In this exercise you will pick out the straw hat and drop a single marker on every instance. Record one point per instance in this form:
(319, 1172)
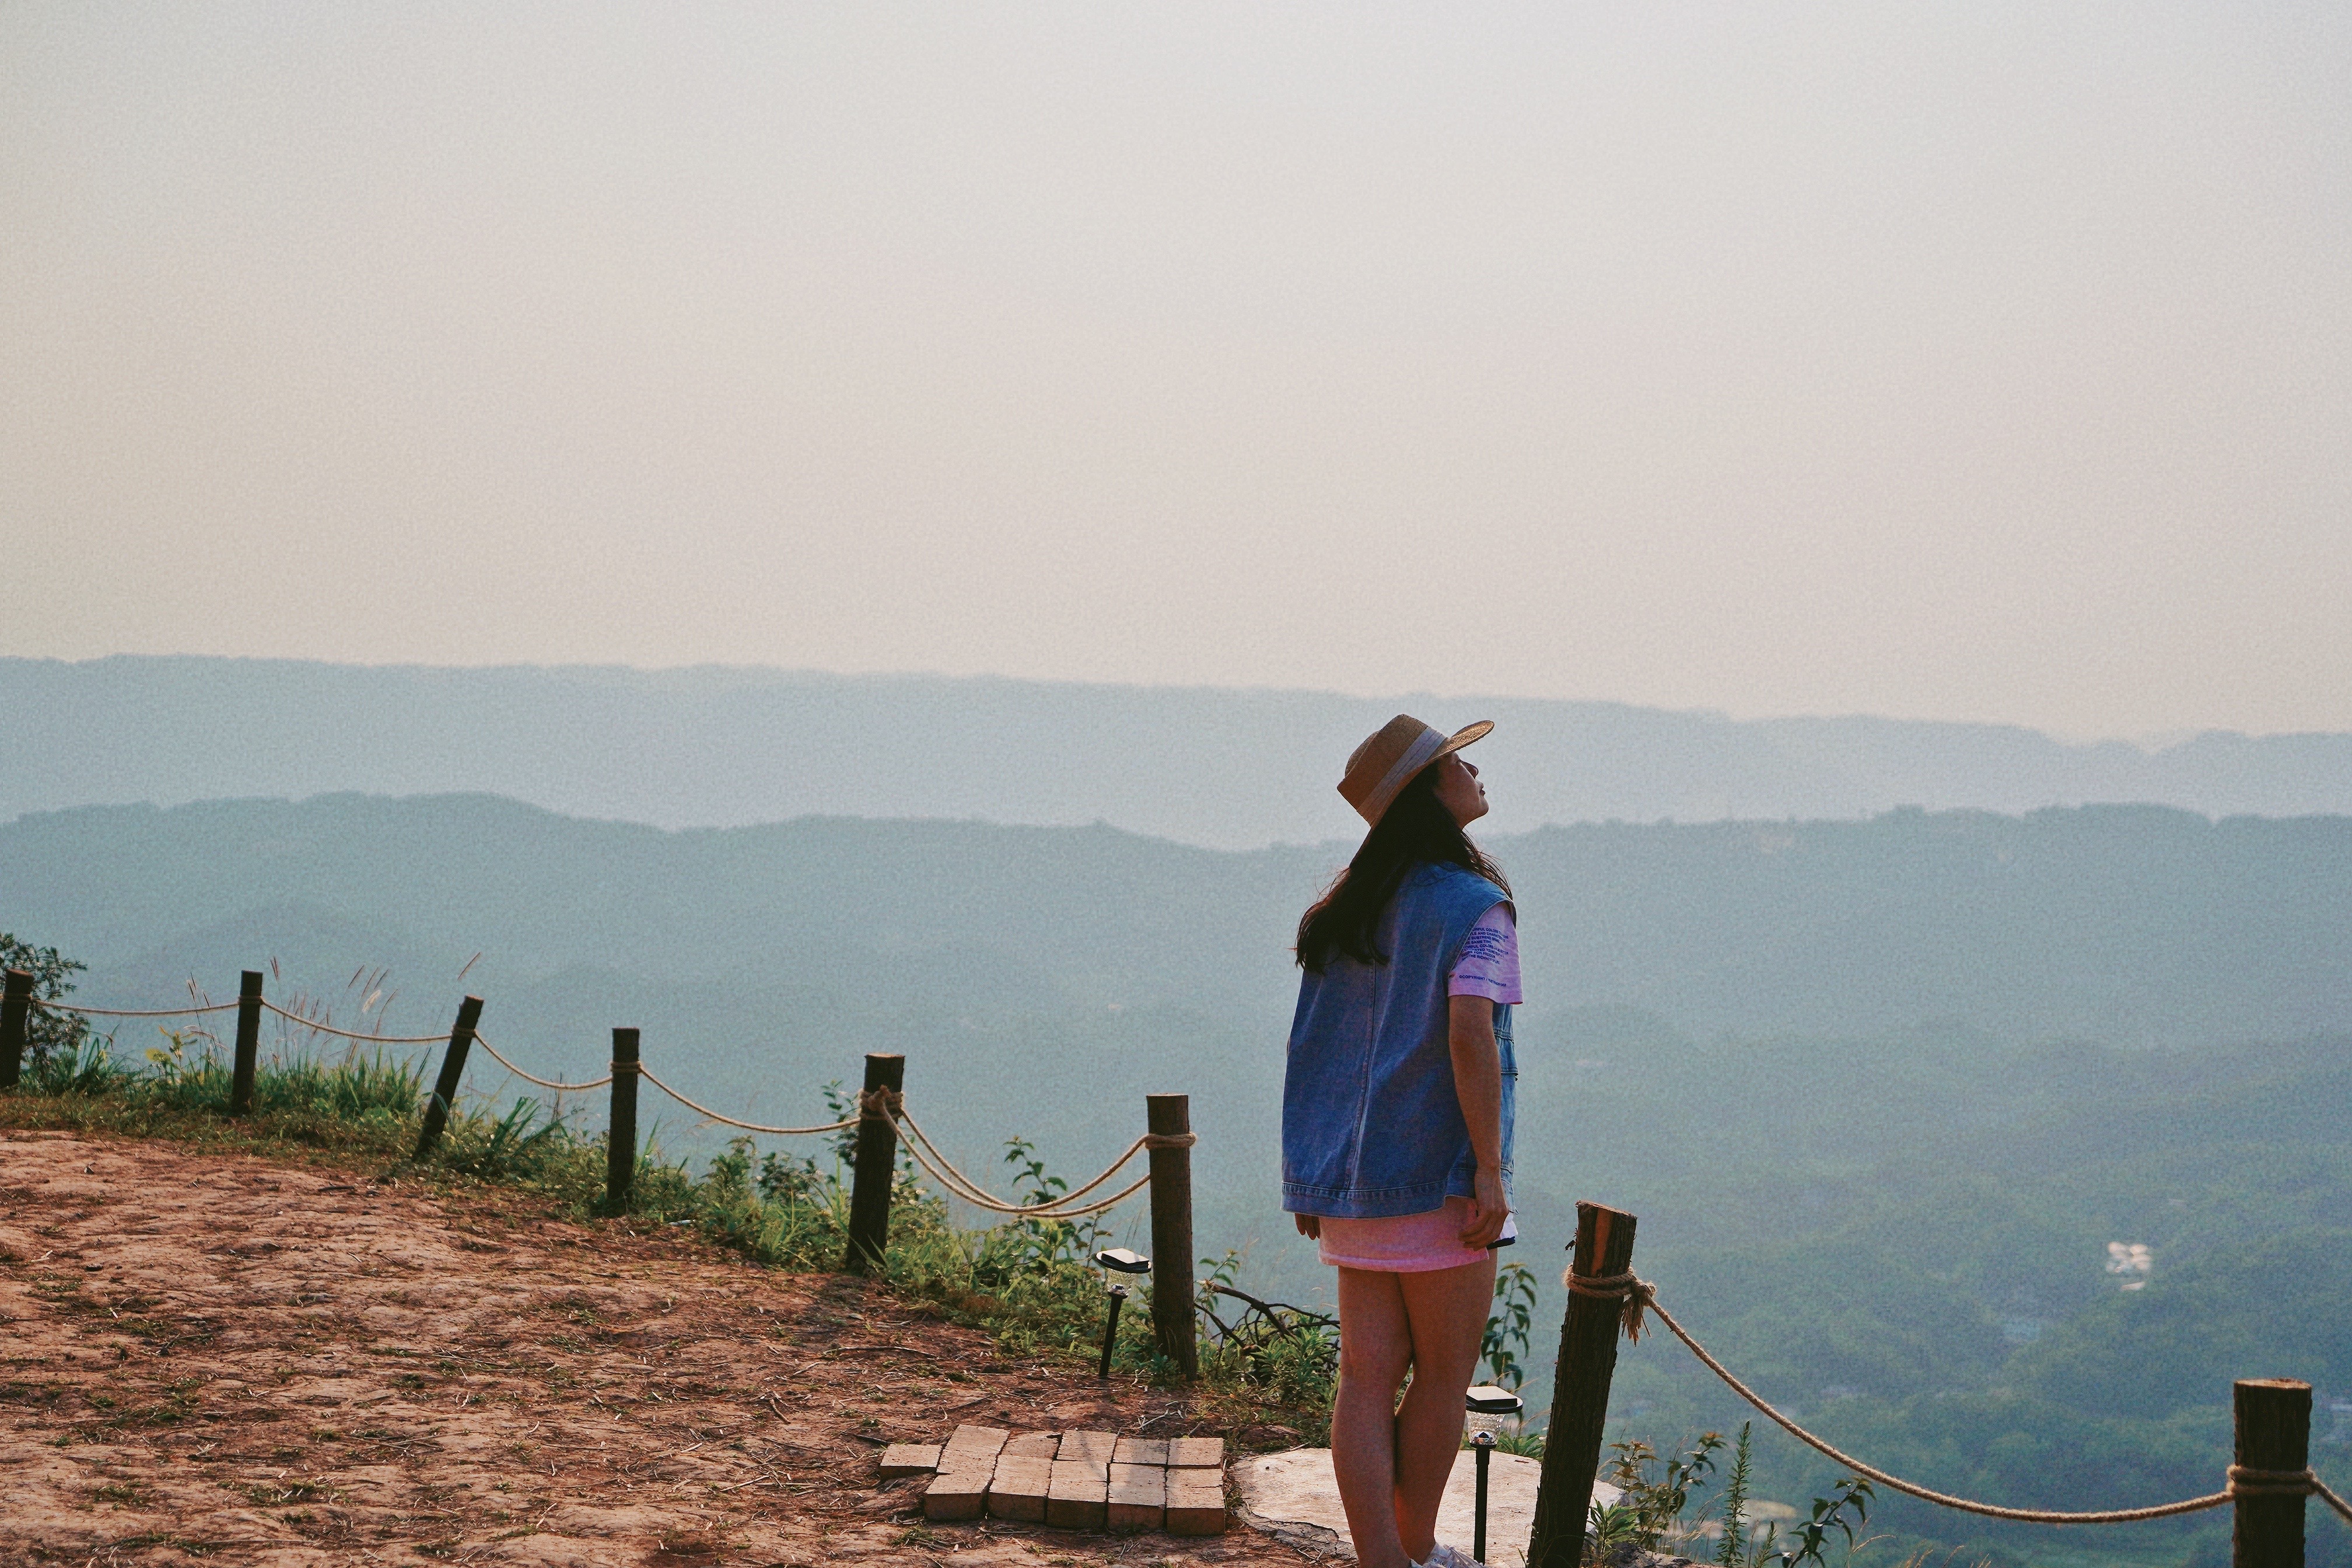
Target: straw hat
(1387, 760)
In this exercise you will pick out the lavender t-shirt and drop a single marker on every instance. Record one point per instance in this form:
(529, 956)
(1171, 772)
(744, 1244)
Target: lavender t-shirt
(1489, 963)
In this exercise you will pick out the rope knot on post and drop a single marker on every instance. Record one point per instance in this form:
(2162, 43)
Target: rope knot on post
(881, 1104)
(1170, 1140)
(1638, 1295)
(2245, 1480)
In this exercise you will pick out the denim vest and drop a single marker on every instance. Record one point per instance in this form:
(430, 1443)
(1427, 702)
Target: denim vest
(1370, 1124)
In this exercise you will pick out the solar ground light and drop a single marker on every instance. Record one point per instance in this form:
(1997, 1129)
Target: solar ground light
(1487, 1400)
(1119, 1261)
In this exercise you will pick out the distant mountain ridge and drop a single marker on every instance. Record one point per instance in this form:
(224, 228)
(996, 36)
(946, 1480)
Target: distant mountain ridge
(1220, 768)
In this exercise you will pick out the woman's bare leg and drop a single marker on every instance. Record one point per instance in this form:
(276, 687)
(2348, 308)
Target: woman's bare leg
(1445, 1310)
(1375, 1347)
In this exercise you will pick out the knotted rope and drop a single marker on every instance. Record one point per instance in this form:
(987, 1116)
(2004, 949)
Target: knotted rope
(1640, 1296)
(1635, 1293)
(2245, 1482)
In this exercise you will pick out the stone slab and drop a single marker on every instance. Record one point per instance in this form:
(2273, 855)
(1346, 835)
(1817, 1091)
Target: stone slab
(1078, 1497)
(1140, 1451)
(909, 1459)
(1191, 1453)
(972, 1446)
(1138, 1497)
(1018, 1488)
(1034, 1445)
(1294, 1497)
(1196, 1502)
(956, 1494)
(1095, 1449)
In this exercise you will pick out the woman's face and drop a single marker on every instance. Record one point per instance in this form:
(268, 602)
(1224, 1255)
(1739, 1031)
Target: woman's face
(1458, 789)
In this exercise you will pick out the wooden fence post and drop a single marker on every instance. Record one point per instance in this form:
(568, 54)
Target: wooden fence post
(248, 1043)
(15, 1003)
(453, 1069)
(1580, 1394)
(875, 1169)
(2273, 1417)
(621, 1138)
(1172, 1310)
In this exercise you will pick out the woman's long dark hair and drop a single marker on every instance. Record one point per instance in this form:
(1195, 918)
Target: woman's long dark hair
(1415, 830)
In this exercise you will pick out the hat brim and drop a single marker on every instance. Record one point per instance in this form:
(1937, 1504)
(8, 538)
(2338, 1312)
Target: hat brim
(1463, 737)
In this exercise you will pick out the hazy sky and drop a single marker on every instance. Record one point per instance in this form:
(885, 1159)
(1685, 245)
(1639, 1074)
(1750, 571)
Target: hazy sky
(1988, 360)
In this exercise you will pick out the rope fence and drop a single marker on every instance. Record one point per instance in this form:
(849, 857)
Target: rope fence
(883, 1104)
(886, 1106)
(1637, 1297)
(880, 1121)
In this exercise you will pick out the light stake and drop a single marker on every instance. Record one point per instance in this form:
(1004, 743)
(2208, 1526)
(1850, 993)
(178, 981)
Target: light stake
(1120, 1260)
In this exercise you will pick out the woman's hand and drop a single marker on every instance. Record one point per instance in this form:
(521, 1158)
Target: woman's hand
(1309, 1225)
(1488, 1210)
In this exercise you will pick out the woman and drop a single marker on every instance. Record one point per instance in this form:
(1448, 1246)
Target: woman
(1396, 1124)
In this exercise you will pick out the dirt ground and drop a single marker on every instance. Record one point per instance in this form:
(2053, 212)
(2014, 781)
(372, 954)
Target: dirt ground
(222, 1359)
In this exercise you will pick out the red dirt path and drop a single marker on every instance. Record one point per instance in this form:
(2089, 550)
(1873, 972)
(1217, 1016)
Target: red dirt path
(215, 1358)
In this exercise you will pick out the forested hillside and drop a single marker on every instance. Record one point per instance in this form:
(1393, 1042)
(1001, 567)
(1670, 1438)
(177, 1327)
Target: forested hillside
(2133, 925)
(1909, 1241)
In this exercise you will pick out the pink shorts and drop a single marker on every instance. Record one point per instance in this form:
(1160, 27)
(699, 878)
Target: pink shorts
(1403, 1243)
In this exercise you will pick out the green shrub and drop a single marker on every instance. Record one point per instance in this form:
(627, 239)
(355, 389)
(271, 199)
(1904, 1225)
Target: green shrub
(47, 1030)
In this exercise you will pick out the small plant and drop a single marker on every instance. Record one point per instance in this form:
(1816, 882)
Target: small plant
(505, 1147)
(1054, 1239)
(784, 1179)
(1611, 1532)
(1510, 1331)
(842, 1105)
(1729, 1550)
(1850, 1494)
(169, 1063)
(1651, 1507)
(1509, 1337)
(84, 1067)
(1520, 1441)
